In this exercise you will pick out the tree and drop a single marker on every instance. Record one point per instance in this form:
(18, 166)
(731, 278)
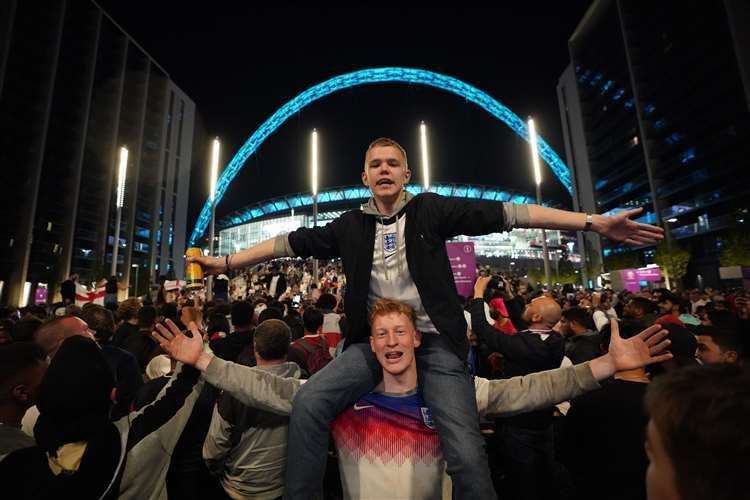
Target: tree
(736, 251)
(625, 260)
(675, 263)
(567, 273)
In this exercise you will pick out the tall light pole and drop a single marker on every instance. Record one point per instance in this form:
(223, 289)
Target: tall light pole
(538, 182)
(212, 196)
(314, 179)
(135, 286)
(121, 175)
(425, 157)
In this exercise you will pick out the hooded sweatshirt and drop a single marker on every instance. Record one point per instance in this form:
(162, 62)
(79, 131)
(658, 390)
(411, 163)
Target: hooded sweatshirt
(246, 447)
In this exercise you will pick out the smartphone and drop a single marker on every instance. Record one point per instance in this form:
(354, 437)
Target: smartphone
(297, 299)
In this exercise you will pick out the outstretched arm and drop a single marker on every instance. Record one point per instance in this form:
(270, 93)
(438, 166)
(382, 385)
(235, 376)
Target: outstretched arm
(263, 251)
(544, 389)
(255, 388)
(619, 227)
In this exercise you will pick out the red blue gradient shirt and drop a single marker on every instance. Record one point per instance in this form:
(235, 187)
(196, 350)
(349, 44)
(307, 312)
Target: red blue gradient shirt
(389, 448)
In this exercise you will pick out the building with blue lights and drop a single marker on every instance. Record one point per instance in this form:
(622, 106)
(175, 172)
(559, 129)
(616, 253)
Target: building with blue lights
(263, 220)
(655, 108)
(74, 87)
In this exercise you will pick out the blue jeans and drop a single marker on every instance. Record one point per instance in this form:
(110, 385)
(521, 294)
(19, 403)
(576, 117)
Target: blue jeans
(448, 391)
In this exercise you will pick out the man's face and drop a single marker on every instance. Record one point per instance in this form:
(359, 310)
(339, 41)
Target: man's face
(695, 296)
(660, 479)
(709, 352)
(79, 327)
(385, 172)
(666, 306)
(565, 327)
(170, 296)
(393, 341)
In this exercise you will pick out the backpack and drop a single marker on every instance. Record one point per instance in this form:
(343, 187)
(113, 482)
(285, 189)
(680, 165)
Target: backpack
(317, 355)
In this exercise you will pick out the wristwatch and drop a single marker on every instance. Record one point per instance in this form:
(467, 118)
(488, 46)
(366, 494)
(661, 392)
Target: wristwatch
(589, 222)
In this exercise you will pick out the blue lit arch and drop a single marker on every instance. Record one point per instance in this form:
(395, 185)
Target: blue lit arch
(364, 77)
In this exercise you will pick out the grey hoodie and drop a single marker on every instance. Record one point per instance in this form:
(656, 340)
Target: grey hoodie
(246, 447)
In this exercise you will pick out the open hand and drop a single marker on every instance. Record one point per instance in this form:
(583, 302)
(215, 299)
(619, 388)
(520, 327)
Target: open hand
(646, 348)
(179, 345)
(621, 227)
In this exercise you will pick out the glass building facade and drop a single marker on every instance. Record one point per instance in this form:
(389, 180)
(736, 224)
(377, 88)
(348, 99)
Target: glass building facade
(74, 88)
(655, 113)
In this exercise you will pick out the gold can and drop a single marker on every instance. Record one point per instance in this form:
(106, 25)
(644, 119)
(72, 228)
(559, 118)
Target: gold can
(193, 270)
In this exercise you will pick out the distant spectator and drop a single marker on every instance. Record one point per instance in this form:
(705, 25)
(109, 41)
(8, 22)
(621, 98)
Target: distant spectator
(127, 314)
(241, 337)
(582, 343)
(22, 367)
(311, 351)
(123, 363)
(23, 329)
(717, 345)
(669, 309)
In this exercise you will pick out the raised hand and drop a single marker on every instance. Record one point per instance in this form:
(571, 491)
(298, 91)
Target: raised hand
(646, 348)
(178, 345)
(621, 227)
(480, 286)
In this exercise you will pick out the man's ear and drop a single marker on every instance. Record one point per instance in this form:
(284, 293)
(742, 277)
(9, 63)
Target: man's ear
(21, 393)
(372, 343)
(417, 338)
(113, 395)
(364, 178)
(407, 174)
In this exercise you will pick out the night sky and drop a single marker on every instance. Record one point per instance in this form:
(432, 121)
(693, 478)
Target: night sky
(240, 63)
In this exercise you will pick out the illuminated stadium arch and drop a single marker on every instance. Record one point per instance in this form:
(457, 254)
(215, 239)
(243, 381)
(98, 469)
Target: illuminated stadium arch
(364, 77)
(359, 193)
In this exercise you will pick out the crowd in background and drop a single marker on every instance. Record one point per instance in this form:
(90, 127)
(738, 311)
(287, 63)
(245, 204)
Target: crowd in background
(221, 448)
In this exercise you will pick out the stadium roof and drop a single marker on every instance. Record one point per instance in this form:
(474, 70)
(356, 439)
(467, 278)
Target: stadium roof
(358, 193)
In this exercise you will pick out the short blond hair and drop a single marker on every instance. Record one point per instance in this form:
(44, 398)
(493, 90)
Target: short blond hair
(384, 307)
(382, 142)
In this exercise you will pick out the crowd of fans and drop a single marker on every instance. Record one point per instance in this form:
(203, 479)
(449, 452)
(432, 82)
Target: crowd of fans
(91, 402)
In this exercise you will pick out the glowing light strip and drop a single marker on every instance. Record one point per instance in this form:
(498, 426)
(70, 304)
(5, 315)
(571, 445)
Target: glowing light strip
(425, 158)
(314, 161)
(214, 169)
(372, 76)
(534, 152)
(121, 173)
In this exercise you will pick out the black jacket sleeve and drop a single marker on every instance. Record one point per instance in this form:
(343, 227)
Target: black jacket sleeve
(510, 346)
(320, 242)
(471, 217)
(158, 413)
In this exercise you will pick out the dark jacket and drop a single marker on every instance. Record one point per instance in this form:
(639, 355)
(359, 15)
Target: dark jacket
(523, 353)
(128, 375)
(431, 219)
(232, 345)
(583, 347)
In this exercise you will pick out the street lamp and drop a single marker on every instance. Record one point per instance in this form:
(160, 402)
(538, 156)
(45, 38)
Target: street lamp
(121, 175)
(314, 179)
(425, 157)
(538, 182)
(212, 196)
(135, 287)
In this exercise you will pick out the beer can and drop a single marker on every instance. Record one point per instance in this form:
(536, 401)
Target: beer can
(193, 270)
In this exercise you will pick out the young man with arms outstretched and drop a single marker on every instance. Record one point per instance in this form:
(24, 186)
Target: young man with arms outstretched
(394, 246)
(387, 443)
